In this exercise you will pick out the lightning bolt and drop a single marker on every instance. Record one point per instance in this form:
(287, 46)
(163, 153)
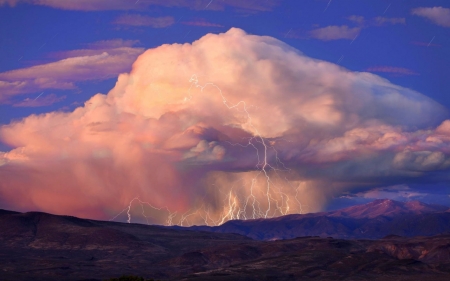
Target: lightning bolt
(258, 138)
(142, 204)
(277, 202)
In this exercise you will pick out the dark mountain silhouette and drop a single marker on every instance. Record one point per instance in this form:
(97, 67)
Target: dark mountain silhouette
(40, 246)
(373, 220)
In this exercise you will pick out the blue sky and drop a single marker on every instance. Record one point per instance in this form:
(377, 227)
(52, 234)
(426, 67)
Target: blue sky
(404, 41)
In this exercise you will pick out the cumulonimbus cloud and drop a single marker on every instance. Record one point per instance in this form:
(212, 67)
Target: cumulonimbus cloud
(230, 126)
(438, 15)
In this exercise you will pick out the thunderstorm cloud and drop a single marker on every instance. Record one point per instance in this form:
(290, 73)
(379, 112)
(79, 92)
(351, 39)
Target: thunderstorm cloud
(231, 126)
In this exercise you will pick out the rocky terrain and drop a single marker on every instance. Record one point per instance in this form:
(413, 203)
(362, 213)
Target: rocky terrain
(374, 220)
(40, 246)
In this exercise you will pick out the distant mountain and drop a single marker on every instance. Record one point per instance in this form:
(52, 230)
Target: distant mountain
(373, 220)
(387, 208)
(6, 212)
(38, 246)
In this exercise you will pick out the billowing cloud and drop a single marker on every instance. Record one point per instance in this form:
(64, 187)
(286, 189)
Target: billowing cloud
(230, 126)
(102, 60)
(97, 5)
(438, 15)
(140, 20)
(334, 32)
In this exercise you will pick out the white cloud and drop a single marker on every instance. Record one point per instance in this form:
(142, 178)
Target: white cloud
(438, 15)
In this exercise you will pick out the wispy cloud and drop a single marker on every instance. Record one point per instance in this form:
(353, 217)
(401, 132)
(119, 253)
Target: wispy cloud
(357, 19)
(396, 192)
(393, 70)
(112, 43)
(97, 5)
(438, 15)
(140, 20)
(101, 60)
(385, 21)
(45, 100)
(201, 22)
(425, 44)
(334, 32)
(112, 47)
(377, 21)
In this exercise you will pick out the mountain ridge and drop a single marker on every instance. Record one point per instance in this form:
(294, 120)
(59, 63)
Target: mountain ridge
(39, 246)
(373, 220)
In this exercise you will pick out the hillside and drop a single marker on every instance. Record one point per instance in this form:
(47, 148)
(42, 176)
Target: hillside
(369, 221)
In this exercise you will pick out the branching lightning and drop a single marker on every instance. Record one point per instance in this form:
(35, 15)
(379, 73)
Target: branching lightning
(276, 202)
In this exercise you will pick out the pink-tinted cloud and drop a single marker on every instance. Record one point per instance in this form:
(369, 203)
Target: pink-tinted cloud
(140, 20)
(39, 101)
(438, 15)
(393, 70)
(112, 44)
(201, 22)
(334, 32)
(10, 89)
(96, 5)
(98, 63)
(116, 47)
(425, 44)
(189, 129)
